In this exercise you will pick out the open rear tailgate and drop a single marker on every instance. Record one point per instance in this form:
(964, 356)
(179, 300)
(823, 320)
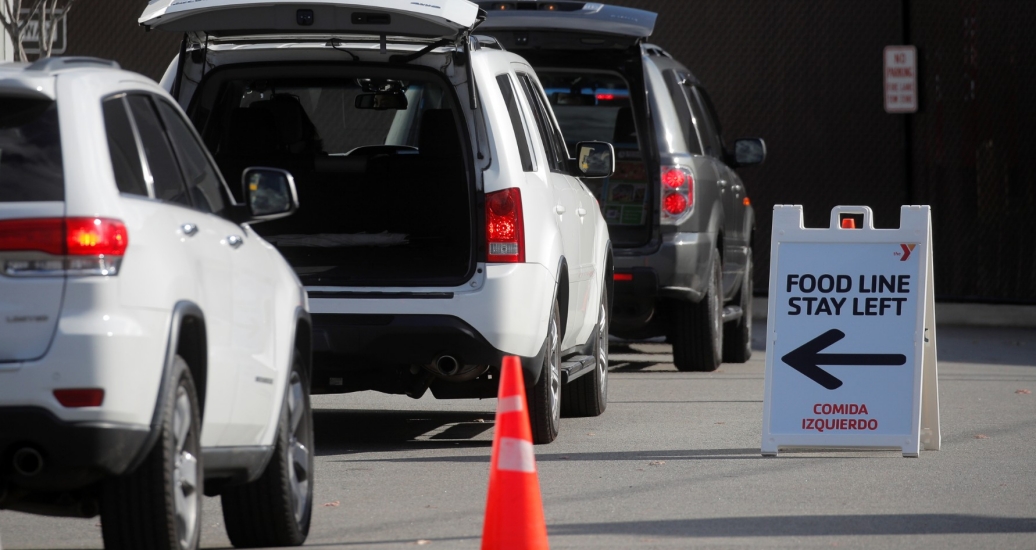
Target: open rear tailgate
(592, 25)
(427, 19)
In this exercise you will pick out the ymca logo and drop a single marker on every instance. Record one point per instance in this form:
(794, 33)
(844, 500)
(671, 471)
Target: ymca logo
(907, 249)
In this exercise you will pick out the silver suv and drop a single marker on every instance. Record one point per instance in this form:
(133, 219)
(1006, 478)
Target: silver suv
(680, 220)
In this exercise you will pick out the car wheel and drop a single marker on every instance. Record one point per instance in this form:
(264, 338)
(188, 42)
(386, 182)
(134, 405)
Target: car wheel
(159, 504)
(275, 510)
(698, 338)
(737, 336)
(545, 396)
(588, 394)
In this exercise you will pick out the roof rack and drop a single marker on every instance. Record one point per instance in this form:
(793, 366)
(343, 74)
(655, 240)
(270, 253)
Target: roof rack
(57, 63)
(652, 49)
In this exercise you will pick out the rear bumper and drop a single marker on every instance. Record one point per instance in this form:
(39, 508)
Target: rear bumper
(678, 269)
(74, 454)
(502, 312)
(350, 342)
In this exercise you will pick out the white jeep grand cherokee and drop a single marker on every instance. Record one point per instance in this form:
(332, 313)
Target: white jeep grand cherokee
(442, 224)
(152, 346)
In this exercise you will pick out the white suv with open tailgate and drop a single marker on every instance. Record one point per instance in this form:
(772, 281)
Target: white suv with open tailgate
(442, 223)
(152, 347)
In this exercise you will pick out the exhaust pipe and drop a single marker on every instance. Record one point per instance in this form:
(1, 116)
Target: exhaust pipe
(28, 462)
(447, 365)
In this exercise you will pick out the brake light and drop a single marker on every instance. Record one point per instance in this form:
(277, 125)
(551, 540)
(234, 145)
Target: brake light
(677, 193)
(673, 178)
(622, 276)
(95, 237)
(505, 229)
(74, 399)
(675, 204)
(62, 246)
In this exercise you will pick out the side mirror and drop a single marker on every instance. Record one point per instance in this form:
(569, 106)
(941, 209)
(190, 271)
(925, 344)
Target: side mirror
(749, 151)
(381, 101)
(269, 193)
(594, 159)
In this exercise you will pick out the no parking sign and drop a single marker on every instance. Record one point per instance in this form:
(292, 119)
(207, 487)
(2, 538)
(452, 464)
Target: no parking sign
(850, 350)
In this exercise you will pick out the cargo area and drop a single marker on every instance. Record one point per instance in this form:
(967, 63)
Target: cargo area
(379, 161)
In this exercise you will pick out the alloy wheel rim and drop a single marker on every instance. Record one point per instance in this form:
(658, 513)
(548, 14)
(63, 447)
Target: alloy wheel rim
(298, 449)
(717, 310)
(185, 472)
(555, 372)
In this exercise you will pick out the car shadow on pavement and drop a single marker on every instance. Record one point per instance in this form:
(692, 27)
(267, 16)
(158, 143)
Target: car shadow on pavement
(805, 526)
(347, 431)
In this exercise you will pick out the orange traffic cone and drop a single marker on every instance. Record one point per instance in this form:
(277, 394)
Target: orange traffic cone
(514, 510)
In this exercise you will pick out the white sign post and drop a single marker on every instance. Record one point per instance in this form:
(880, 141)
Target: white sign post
(850, 349)
(900, 79)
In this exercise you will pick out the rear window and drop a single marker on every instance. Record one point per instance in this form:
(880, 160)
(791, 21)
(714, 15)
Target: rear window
(590, 106)
(30, 151)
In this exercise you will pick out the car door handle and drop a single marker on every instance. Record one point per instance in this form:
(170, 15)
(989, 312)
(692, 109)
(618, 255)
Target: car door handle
(559, 209)
(581, 212)
(189, 229)
(235, 241)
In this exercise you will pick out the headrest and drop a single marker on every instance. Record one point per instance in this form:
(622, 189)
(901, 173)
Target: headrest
(252, 131)
(294, 128)
(625, 129)
(438, 134)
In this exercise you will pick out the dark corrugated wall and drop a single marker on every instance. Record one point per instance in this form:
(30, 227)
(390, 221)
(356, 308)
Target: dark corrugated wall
(807, 76)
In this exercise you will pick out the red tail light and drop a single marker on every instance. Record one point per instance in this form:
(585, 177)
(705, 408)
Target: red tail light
(677, 193)
(74, 399)
(675, 204)
(674, 178)
(69, 246)
(45, 235)
(505, 229)
(622, 276)
(95, 237)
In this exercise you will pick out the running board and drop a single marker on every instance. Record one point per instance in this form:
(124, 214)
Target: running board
(576, 367)
(732, 313)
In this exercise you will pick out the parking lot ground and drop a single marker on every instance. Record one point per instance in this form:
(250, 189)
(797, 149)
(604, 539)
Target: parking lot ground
(673, 463)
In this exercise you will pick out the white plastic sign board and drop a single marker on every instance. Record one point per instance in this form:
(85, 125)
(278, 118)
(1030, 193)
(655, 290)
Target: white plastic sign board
(850, 349)
(900, 79)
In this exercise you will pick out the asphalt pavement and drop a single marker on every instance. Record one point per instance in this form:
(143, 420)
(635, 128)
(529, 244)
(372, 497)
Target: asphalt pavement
(673, 463)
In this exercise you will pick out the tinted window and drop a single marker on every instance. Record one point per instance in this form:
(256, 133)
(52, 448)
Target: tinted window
(683, 108)
(520, 134)
(30, 151)
(122, 146)
(557, 153)
(708, 127)
(161, 162)
(203, 184)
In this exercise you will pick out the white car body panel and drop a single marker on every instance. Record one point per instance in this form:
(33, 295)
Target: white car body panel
(438, 18)
(113, 331)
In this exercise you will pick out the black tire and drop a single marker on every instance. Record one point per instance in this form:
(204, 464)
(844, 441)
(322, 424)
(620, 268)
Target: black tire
(588, 394)
(698, 330)
(158, 506)
(276, 509)
(737, 335)
(545, 396)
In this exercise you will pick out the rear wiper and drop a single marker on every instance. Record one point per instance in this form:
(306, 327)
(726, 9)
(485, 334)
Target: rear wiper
(407, 58)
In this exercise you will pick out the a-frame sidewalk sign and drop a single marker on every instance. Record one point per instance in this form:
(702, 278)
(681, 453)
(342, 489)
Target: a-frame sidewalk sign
(850, 346)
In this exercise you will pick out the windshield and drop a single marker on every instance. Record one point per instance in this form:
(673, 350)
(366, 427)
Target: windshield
(30, 151)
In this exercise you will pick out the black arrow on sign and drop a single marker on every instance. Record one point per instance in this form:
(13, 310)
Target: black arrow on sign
(807, 357)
